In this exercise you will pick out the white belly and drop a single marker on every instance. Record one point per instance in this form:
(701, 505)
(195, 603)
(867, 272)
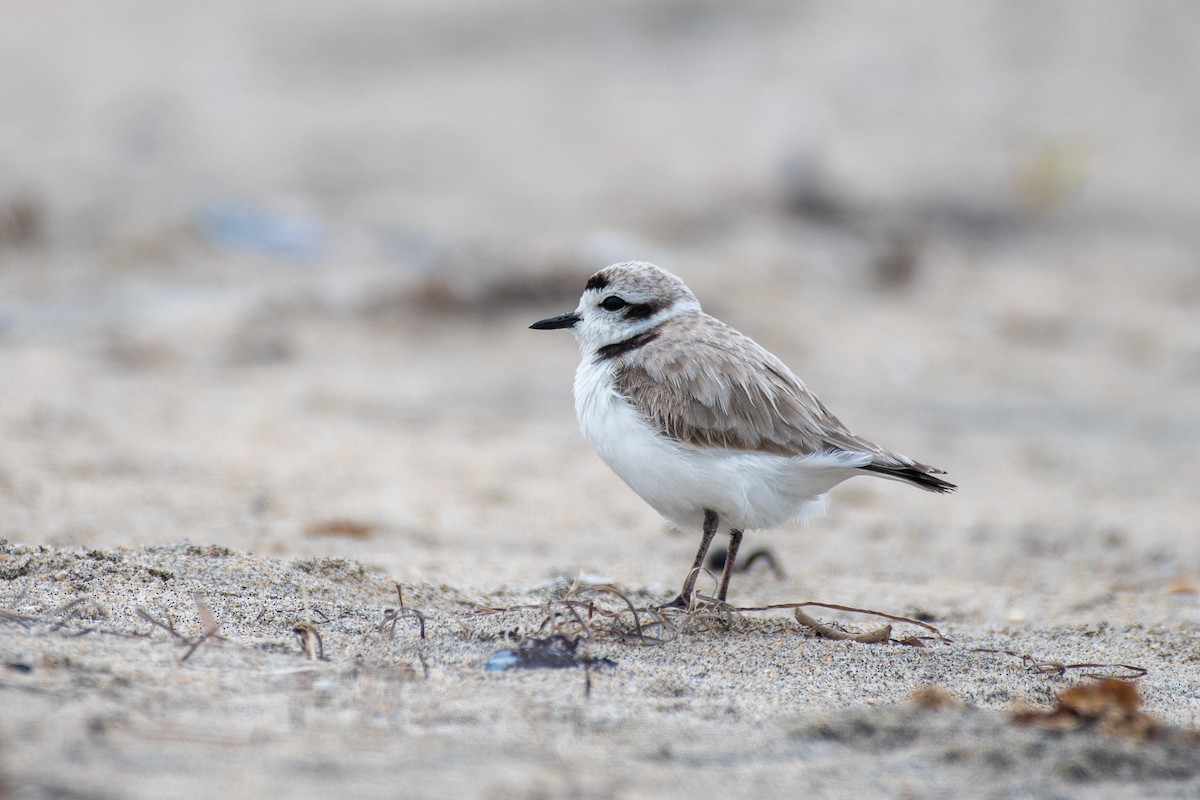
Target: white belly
(747, 490)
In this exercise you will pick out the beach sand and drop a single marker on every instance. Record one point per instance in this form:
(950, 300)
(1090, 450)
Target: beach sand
(265, 281)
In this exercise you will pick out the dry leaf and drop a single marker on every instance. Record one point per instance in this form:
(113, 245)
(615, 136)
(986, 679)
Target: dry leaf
(1109, 705)
(933, 697)
(351, 528)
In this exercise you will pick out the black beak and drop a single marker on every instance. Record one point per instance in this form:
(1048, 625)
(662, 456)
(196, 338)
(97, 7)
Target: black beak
(561, 321)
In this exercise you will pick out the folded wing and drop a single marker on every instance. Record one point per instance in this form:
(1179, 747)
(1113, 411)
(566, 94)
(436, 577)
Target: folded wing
(724, 390)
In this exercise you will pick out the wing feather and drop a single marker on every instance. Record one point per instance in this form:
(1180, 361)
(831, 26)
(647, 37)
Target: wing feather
(724, 390)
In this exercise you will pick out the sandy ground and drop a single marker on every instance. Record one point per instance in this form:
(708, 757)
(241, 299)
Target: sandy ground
(265, 277)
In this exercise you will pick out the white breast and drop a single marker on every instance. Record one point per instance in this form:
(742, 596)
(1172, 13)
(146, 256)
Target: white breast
(747, 490)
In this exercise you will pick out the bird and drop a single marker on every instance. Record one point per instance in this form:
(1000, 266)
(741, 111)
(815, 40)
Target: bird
(709, 428)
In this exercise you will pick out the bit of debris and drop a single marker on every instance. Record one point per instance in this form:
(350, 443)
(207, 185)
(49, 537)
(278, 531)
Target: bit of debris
(1109, 705)
(896, 264)
(393, 615)
(350, 528)
(572, 616)
(553, 652)
(876, 636)
(211, 629)
(882, 635)
(462, 291)
(933, 698)
(1098, 671)
(311, 646)
(1182, 586)
(22, 220)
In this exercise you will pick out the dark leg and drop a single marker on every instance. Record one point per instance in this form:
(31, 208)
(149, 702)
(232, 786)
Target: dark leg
(689, 583)
(735, 541)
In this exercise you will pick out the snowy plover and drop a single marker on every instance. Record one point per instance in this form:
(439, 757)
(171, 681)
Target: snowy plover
(704, 424)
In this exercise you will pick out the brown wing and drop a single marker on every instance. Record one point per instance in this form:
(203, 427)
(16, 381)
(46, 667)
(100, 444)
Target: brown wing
(724, 390)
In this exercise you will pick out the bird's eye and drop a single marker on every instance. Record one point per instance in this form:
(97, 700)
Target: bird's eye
(613, 303)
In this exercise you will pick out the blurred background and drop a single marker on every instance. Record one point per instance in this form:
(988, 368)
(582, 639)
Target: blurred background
(266, 271)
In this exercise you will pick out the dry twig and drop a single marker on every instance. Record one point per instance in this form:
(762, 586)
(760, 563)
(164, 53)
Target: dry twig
(393, 615)
(311, 645)
(211, 628)
(24, 620)
(1124, 672)
(876, 636)
(574, 617)
(880, 635)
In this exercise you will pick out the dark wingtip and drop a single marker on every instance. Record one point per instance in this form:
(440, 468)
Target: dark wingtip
(937, 485)
(922, 479)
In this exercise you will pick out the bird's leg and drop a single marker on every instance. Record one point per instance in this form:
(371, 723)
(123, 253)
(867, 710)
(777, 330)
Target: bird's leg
(735, 541)
(689, 583)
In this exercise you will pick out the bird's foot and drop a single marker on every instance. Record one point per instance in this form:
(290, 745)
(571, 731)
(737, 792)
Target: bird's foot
(698, 603)
(678, 603)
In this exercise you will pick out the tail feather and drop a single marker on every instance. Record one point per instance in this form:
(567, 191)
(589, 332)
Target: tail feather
(919, 475)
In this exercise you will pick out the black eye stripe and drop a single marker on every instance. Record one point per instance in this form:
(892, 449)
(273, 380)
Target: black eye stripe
(632, 310)
(642, 311)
